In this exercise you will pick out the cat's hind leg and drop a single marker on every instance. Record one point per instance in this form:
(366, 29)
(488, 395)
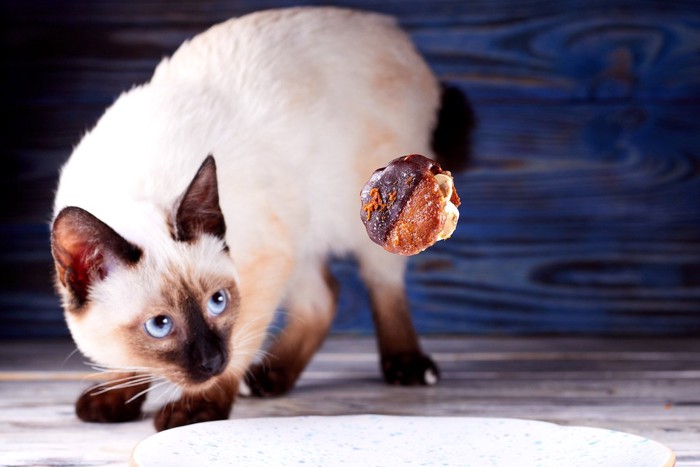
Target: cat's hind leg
(402, 359)
(310, 307)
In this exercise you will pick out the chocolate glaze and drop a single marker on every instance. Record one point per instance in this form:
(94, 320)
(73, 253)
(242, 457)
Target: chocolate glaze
(395, 184)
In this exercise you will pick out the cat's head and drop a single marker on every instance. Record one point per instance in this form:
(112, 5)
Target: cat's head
(168, 309)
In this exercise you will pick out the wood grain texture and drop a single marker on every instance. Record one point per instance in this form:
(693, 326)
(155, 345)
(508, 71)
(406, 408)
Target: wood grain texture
(646, 387)
(581, 206)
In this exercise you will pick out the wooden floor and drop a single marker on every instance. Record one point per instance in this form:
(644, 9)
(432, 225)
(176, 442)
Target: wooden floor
(649, 387)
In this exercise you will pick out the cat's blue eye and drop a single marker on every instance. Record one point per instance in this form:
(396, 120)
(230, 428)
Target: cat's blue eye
(218, 302)
(159, 326)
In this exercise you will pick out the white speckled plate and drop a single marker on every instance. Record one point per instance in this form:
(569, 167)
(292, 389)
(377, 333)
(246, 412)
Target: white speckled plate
(376, 440)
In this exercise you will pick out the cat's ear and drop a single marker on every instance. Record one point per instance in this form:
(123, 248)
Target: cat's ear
(198, 210)
(86, 250)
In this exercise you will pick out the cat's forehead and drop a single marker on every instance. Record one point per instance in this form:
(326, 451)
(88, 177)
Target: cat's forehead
(161, 281)
(198, 264)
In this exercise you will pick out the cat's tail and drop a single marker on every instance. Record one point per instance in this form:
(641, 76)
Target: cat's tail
(452, 137)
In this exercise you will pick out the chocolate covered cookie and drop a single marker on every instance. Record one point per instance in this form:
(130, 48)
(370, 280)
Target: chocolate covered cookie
(409, 205)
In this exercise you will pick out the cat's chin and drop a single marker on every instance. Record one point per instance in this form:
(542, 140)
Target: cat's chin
(198, 385)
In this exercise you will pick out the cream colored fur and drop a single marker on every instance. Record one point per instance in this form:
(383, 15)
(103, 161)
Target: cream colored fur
(298, 107)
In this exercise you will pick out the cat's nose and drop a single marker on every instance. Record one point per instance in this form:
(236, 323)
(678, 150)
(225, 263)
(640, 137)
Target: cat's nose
(207, 359)
(213, 365)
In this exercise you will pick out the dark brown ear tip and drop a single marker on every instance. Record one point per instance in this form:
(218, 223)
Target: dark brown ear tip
(73, 222)
(66, 218)
(198, 210)
(68, 222)
(209, 161)
(207, 170)
(65, 212)
(72, 212)
(80, 245)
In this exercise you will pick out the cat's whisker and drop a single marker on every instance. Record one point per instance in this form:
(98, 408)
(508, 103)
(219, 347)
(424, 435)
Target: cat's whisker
(241, 335)
(147, 390)
(134, 376)
(69, 356)
(240, 368)
(118, 369)
(243, 345)
(110, 386)
(243, 329)
(127, 382)
(113, 379)
(256, 354)
(125, 378)
(169, 394)
(251, 356)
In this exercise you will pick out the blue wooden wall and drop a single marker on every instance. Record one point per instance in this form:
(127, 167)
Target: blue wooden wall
(581, 203)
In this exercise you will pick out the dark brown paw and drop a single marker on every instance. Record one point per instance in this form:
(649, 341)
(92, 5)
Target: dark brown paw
(265, 381)
(110, 406)
(189, 410)
(410, 369)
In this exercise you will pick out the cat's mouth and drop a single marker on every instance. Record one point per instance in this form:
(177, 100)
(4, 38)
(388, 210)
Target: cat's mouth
(197, 366)
(199, 381)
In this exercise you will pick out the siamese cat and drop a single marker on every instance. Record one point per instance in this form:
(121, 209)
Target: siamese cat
(213, 195)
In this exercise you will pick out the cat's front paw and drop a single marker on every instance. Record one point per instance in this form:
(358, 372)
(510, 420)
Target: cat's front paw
(112, 406)
(189, 410)
(266, 381)
(410, 369)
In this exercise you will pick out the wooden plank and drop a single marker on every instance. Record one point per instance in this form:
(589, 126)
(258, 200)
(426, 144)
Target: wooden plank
(601, 54)
(587, 56)
(549, 49)
(37, 425)
(557, 227)
(580, 206)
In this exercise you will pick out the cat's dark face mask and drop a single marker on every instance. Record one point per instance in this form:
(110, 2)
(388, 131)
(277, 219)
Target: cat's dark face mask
(196, 334)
